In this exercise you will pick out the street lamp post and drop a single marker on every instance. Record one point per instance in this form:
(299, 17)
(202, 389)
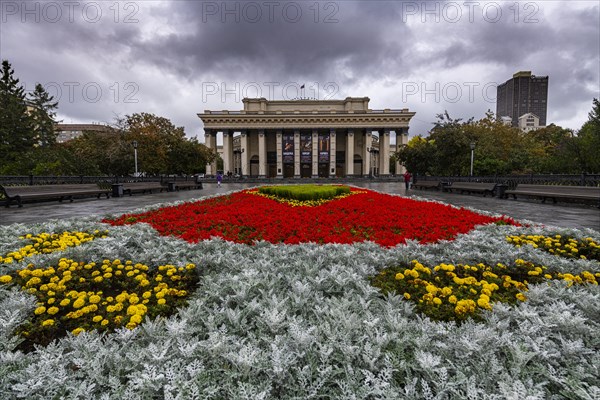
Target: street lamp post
(472, 155)
(135, 146)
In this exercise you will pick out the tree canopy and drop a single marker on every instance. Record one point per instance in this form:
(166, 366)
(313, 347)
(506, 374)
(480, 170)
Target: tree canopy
(502, 149)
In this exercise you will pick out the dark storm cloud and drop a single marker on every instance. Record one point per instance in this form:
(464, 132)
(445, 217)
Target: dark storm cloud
(372, 48)
(353, 35)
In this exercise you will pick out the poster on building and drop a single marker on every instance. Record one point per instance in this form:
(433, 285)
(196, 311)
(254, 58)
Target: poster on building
(306, 149)
(288, 148)
(324, 148)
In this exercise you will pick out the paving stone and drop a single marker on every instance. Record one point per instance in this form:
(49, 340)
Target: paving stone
(573, 216)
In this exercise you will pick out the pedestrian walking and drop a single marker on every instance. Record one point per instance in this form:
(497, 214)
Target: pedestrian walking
(407, 178)
(219, 179)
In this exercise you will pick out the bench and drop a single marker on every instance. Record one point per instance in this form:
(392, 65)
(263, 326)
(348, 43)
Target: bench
(51, 192)
(186, 185)
(427, 184)
(470, 187)
(142, 187)
(555, 191)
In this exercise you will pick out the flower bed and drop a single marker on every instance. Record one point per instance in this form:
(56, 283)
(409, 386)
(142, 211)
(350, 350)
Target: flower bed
(244, 217)
(272, 321)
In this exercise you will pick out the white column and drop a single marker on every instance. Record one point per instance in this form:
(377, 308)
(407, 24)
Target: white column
(384, 153)
(227, 151)
(210, 140)
(332, 160)
(401, 140)
(297, 153)
(245, 151)
(262, 154)
(367, 153)
(315, 153)
(350, 152)
(279, 144)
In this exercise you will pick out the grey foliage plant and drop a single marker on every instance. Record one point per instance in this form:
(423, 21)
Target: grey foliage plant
(302, 322)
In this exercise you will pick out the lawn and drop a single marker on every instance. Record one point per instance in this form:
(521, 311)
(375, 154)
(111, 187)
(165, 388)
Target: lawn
(247, 296)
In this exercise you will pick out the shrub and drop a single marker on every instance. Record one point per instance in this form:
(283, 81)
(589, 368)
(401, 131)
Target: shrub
(306, 192)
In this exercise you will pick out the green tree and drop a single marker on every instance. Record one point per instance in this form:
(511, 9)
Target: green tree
(16, 128)
(417, 155)
(589, 141)
(452, 140)
(43, 115)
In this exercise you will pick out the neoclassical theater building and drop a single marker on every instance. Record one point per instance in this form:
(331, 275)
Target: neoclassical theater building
(306, 138)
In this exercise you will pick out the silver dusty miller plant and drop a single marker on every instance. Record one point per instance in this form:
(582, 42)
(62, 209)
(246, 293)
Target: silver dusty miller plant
(302, 322)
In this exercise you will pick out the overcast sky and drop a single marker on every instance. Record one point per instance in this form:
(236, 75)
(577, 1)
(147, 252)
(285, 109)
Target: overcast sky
(176, 59)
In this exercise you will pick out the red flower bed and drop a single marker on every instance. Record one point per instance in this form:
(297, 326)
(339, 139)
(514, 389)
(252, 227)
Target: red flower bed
(244, 217)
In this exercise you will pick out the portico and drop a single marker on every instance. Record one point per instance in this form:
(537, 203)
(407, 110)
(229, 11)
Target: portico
(306, 138)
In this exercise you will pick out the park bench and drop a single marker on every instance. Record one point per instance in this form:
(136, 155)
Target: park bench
(51, 192)
(426, 184)
(470, 187)
(142, 187)
(556, 192)
(192, 184)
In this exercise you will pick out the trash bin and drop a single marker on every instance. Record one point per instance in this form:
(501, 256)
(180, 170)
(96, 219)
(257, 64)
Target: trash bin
(500, 189)
(117, 190)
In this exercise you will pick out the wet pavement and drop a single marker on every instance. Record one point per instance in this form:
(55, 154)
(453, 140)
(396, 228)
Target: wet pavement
(563, 215)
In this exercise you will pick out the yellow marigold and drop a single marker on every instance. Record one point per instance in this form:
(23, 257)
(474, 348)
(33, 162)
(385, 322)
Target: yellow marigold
(130, 325)
(65, 302)
(521, 297)
(94, 299)
(121, 298)
(97, 318)
(5, 278)
(40, 310)
(161, 301)
(136, 318)
(48, 322)
(80, 302)
(452, 299)
(437, 301)
(407, 296)
(77, 331)
(104, 322)
(131, 310)
(52, 310)
(399, 276)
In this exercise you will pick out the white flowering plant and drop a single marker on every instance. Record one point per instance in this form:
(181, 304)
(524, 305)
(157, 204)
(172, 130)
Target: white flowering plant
(276, 321)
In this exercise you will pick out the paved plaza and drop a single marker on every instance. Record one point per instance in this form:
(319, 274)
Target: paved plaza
(572, 216)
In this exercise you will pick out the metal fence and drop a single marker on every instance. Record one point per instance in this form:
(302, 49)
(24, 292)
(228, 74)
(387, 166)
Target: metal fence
(510, 180)
(513, 180)
(21, 180)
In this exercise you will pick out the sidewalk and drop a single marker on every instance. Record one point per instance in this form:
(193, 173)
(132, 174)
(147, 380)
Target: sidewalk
(573, 216)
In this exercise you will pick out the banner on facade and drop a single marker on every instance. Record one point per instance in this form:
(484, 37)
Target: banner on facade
(306, 149)
(324, 148)
(288, 148)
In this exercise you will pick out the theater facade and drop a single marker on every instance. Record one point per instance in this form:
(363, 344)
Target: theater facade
(306, 138)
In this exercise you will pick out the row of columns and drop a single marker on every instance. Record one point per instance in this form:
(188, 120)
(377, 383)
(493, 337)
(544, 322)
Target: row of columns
(367, 152)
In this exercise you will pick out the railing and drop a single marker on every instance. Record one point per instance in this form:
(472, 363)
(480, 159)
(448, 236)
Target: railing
(57, 180)
(513, 180)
